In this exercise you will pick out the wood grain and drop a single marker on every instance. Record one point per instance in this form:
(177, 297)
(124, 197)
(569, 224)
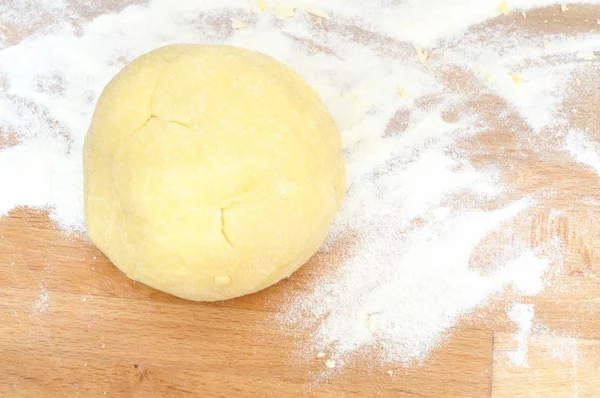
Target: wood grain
(558, 367)
(101, 332)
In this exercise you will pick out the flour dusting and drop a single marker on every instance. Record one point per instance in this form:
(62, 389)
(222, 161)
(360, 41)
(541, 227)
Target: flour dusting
(583, 149)
(42, 303)
(522, 316)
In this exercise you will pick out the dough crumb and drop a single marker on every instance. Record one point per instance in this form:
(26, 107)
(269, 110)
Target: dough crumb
(259, 6)
(330, 363)
(222, 280)
(503, 8)
(284, 10)
(237, 24)
(421, 55)
(516, 79)
(390, 372)
(524, 14)
(489, 77)
(401, 92)
(372, 323)
(564, 8)
(317, 12)
(321, 355)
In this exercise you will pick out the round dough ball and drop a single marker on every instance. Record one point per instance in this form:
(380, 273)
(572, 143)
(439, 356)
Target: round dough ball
(210, 172)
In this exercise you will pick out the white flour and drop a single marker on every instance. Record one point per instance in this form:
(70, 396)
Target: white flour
(417, 207)
(559, 347)
(583, 149)
(522, 316)
(42, 303)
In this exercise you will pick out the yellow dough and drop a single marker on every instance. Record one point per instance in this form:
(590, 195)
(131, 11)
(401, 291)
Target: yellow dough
(210, 172)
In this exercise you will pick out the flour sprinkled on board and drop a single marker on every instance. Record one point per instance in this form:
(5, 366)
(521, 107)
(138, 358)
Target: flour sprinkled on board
(583, 149)
(522, 316)
(560, 347)
(42, 303)
(424, 197)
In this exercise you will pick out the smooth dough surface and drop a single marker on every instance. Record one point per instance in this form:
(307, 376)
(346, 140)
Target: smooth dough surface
(210, 172)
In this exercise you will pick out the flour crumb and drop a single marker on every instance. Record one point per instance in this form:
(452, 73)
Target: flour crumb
(372, 323)
(390, 372)
(515, 78)
(321, 355)
(564, 8)
(503, 8)
(330, 363)
(237, 24)
(284, 10)
(317, 12)
(259, 6)
(421, 55)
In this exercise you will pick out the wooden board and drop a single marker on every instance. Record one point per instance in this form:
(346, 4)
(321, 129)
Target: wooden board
(72, 325)
(99, 331)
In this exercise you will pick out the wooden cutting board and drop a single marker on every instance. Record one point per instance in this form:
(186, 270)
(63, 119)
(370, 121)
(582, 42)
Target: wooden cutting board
(72, 325)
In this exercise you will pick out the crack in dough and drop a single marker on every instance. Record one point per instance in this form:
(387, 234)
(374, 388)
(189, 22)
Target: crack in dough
(223, 232)
(162, 71)
(181, 124)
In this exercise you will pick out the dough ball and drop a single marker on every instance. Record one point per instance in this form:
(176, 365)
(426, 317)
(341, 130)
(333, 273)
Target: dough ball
(210, 172)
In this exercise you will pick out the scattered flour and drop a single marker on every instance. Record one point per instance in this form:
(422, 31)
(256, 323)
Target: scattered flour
(561, 348)
(583, 149)
(416, 207)
(42, 303)
(522, 316)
